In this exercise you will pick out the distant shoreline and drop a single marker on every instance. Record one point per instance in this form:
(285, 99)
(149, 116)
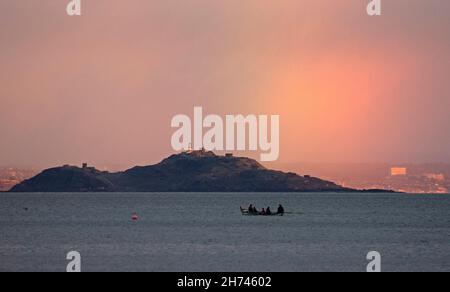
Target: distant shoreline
(218, 192)
(190, 171)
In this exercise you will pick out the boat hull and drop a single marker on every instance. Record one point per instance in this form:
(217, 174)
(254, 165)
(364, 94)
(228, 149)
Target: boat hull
(245, 212)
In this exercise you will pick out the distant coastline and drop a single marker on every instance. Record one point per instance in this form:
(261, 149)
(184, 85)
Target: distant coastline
(191, 171)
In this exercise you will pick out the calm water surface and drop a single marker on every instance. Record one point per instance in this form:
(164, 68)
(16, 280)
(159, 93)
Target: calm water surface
(206, 232)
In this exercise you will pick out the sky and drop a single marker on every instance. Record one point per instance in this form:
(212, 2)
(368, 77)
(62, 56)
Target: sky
(102, 88)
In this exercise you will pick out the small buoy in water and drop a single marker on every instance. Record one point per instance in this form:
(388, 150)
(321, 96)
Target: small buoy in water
(135, 217)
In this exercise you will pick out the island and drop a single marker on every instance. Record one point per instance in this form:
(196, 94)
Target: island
(190, 171)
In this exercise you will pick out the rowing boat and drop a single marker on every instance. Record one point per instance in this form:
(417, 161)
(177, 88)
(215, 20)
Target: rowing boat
(245, 212)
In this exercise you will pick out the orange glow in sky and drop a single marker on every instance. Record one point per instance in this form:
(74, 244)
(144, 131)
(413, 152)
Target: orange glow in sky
(104, 87)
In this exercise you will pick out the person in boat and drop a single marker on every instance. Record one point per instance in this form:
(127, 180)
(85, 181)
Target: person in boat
(251, 209)
(280, 209)
(263, 212)
(268, 211)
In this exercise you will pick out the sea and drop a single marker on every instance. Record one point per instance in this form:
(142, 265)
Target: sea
(193, 232)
